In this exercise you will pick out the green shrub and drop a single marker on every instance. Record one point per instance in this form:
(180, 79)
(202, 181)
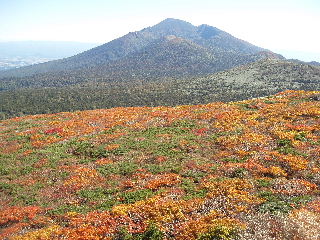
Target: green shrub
(197, 175)
(122, 168)
(63, 209)
(167, 167)
(26, 170)
(274, 203)
(301, 200)
(84, 148)
(275, 207)
(234, 160)
(191, 191)
(284, 143)
(263, 183)
(8, 188)
(25, 199)
(151, 233)
(93, 194)
(285, 146)
(167, 149)
(132, 197)
(123, 234)
(239, 173)
(107, 204)
(219, 233)
(247, 107)
(3, 170)
(301, 137)
(184, 124)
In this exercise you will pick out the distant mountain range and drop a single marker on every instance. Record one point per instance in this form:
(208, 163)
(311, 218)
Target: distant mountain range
(22, 53)
(16, 62)
(170, 63)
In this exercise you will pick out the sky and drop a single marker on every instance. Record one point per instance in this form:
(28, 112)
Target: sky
(288, 27)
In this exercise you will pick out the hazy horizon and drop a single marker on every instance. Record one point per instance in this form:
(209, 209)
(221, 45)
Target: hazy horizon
(283, 26)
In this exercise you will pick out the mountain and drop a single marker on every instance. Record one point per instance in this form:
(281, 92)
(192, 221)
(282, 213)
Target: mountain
(261, 78)
(234, 171)
(227, 51)
(170, 63)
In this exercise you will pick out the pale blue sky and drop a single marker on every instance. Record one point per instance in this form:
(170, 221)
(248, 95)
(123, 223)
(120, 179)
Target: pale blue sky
(289, 27)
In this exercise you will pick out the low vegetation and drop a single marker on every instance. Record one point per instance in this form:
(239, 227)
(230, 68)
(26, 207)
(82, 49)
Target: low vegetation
(238, 170)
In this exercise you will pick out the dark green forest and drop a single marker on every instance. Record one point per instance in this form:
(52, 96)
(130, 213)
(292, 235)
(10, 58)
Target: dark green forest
(254, 80)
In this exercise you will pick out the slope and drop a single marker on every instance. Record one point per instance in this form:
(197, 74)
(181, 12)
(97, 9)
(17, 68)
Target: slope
(253, 80)
(257, 79)
(242, 170)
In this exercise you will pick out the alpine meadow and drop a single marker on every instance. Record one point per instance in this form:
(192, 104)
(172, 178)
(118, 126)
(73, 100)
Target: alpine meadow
(173, 132)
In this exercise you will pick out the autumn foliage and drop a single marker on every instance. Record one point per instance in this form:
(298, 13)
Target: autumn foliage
(239, 170)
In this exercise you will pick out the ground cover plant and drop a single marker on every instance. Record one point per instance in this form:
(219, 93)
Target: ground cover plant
(238, 170)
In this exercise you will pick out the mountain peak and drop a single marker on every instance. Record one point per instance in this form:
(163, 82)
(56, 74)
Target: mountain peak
(173, 20)
(172, 26)
(174, 23)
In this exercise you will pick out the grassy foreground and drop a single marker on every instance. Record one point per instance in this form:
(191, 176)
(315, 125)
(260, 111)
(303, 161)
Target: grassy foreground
(240, 170)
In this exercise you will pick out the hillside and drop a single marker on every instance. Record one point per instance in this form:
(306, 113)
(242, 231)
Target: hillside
(258, 79)
(234, 171)
(254, 80)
